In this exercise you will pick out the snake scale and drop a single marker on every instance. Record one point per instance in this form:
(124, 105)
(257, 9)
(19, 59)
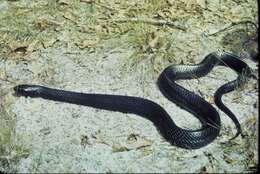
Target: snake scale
(193, 103)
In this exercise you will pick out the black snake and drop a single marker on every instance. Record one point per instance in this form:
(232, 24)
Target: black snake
(205, 112)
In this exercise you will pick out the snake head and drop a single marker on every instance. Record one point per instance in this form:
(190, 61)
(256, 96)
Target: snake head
(27, 90)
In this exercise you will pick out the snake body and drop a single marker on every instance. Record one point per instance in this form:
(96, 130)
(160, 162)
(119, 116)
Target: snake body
(205, 112)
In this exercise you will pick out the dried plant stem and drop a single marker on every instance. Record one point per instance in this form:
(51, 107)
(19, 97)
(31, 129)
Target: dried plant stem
(150, 21)
(232, 25)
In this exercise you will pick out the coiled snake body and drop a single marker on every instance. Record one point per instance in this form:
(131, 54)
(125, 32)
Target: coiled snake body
(185, 138)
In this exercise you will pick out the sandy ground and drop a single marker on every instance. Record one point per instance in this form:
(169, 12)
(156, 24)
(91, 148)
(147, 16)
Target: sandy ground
(48, 136)
(69, 138)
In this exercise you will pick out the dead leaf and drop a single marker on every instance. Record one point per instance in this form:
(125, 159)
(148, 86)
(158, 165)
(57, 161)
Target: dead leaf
(42, 23)
(236, 99)
(102, 29)
(134, 141)
(18, 47)
(23, 47)
(119, 148)
(71, 17)
(87, 44)
(228, 159)
(153, 41)
(164, 14)
(49, 42)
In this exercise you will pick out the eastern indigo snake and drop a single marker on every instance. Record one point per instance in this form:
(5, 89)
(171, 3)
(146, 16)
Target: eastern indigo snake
(205, 112)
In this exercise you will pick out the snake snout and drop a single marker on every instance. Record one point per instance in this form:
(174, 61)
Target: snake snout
(27, 90)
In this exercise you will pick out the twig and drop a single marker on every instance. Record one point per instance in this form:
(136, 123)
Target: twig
(232, 25)
(150, 21)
